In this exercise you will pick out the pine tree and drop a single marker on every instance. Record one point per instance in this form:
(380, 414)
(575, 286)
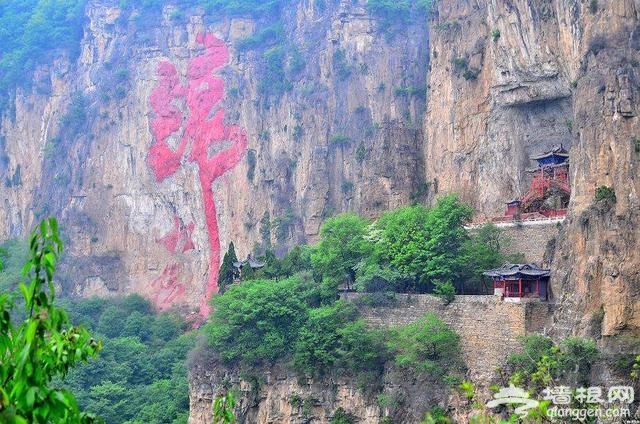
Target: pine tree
(228, 273)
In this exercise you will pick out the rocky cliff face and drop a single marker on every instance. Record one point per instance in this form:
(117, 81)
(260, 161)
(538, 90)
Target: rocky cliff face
(169, 137)
(509, 79)
(155, 163)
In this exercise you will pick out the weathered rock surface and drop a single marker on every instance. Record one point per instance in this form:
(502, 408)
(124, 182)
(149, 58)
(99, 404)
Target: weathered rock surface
(339, 139)
(504, 79)
(489, 330)
(509, 79)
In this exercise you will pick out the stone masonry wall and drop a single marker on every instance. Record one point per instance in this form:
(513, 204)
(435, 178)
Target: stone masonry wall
(530, 238)
(489, 328)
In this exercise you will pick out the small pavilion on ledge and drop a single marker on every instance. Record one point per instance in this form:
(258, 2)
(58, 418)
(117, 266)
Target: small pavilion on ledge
(520, 281)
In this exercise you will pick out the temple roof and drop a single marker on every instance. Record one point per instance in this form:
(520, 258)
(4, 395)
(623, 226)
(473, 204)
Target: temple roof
(249, 261)
(518, 270)
(555, 151)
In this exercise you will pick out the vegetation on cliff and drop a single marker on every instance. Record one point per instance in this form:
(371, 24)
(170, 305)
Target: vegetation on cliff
(303, 324)
(543, 363)
(30, 31)
(289, 309)
(35, 32)
(409, 249)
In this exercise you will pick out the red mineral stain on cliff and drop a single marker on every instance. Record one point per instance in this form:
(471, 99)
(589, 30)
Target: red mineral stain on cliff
(192, 114)
(178, 240)
(166, 287)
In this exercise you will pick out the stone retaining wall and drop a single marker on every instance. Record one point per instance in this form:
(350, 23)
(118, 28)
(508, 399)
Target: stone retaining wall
(489, 328)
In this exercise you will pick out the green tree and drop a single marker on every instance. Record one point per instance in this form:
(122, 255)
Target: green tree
(258, 320)
(543, 363)
(428, 346)
(444, 290)
(228, 273)
(342, 246)
(223, 409)
(480, 252)
(334, 339)
(422, 244)
(13, 255)
(43, 346)
(140, 376)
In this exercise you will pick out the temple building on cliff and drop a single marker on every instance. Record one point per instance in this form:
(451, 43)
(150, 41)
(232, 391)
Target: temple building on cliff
(549, 190)
(518, 281)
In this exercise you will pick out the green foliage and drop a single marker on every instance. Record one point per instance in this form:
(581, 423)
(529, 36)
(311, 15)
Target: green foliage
(75, 118)
(340, 65)
(361, 153)
(444, 290)
(253, 8)
(334, 338)
(297, 132)
(347, 187)
(284, 225)
(390, 11)
(593, 6)
(495, 34)
(427, 346)
(342, 246)
(451, 25)
(43, 346)
(398, 13)
(436, 415)
(176, 15)
(13, 255)
(420, 92)
(422, 244)
(227, 273)
(468, 389)
(295, 261)
(274, 81)
(605, 194)
(635, 368)
(268, 35)
(460, 63)
(141, 374)
(461, 66)
(257, 321)
(30, 33)
(223, 409)
(296, 61)
(343, 417)
(339, 140)
(543, 363)
(251, 164)
(480, 252)
(265, 229)
(262, 321)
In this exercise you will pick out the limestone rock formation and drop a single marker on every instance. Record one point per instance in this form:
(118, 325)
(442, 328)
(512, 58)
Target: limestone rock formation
(510, 78)
(89, 143)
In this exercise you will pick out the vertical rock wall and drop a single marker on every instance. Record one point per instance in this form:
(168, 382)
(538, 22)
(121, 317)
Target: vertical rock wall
(129, 147)
(509, 79)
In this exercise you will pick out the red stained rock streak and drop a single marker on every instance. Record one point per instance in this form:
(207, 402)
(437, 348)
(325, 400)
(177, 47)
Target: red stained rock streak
(197, 129)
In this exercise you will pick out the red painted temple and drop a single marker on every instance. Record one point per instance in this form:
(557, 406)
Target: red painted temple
(520, 281)
(549, 191)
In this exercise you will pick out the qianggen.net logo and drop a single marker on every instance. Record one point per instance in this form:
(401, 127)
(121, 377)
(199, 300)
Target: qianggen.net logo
(579, 405)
